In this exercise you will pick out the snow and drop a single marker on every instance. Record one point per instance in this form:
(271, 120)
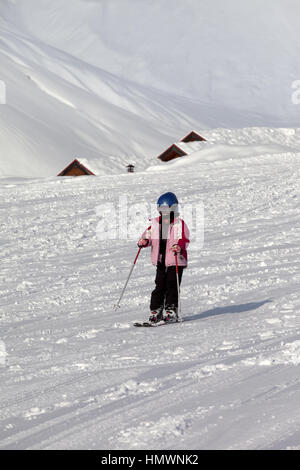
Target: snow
(241, 54)
(113, 84)
(235, 144)
(75, 373)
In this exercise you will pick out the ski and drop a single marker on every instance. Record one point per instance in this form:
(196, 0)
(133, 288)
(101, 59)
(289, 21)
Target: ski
(147, 324)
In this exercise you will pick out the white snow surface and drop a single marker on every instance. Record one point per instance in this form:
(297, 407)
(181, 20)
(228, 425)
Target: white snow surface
(78, 375)
(116, 82)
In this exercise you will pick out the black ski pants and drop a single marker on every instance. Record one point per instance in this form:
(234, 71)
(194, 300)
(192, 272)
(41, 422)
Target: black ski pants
(165, 293)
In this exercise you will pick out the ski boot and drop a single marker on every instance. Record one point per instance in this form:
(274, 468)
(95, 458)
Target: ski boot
(156, 315)
(170, 315)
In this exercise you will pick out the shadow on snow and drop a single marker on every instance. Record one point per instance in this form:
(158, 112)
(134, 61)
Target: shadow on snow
(230, 309)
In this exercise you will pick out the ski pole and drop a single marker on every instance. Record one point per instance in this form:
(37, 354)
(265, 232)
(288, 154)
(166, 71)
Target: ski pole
(178, 288)
(117, 305)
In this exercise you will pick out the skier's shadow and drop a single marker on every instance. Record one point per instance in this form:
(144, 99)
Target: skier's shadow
(229, 309)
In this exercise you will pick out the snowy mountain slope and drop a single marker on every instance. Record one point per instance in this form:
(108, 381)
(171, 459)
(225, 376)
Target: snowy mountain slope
(115, 83)
(234, 144)
(78, 375)
(243, 55)
(59, 107)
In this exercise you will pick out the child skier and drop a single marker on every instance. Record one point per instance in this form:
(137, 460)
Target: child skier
(168, 236)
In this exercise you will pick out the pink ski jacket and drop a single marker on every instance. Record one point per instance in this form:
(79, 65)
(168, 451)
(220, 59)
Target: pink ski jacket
(178, 234)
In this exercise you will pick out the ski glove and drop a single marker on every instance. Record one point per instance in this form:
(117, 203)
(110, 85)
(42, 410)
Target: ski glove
(143, 242)
(176, 249)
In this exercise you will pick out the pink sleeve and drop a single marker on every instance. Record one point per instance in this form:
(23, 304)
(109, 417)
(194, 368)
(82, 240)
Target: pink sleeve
(147, 235)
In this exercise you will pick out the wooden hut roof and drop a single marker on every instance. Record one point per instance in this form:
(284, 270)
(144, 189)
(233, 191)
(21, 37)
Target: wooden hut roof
(172, 150)
(76, 164)
(192, 137)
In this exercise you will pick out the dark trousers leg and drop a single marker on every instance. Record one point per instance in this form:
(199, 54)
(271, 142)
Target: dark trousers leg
(165, 292)
(158, 295)
(171, 301)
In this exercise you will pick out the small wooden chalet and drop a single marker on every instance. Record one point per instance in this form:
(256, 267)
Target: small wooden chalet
(76, 168)
(193, 137)
(175, 151)
(172, 152)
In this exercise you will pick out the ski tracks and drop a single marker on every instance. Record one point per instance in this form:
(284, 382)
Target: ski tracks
(78, 375)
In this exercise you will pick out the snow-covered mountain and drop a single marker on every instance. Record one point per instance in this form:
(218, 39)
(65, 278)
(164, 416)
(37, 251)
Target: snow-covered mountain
(116, 82)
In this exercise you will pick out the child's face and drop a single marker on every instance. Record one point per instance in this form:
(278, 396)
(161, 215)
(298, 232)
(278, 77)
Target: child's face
(164, 211)
(165, 215)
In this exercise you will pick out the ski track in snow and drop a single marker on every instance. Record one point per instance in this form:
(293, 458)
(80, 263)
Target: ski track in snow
(78, 375)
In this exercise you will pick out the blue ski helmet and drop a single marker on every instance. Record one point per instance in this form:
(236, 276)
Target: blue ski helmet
(168, 201)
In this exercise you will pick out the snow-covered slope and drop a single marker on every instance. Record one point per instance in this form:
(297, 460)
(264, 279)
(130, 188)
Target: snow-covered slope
(234, 144)
(79, 375)
(116, 82)
(59, 107)
(240, 54)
